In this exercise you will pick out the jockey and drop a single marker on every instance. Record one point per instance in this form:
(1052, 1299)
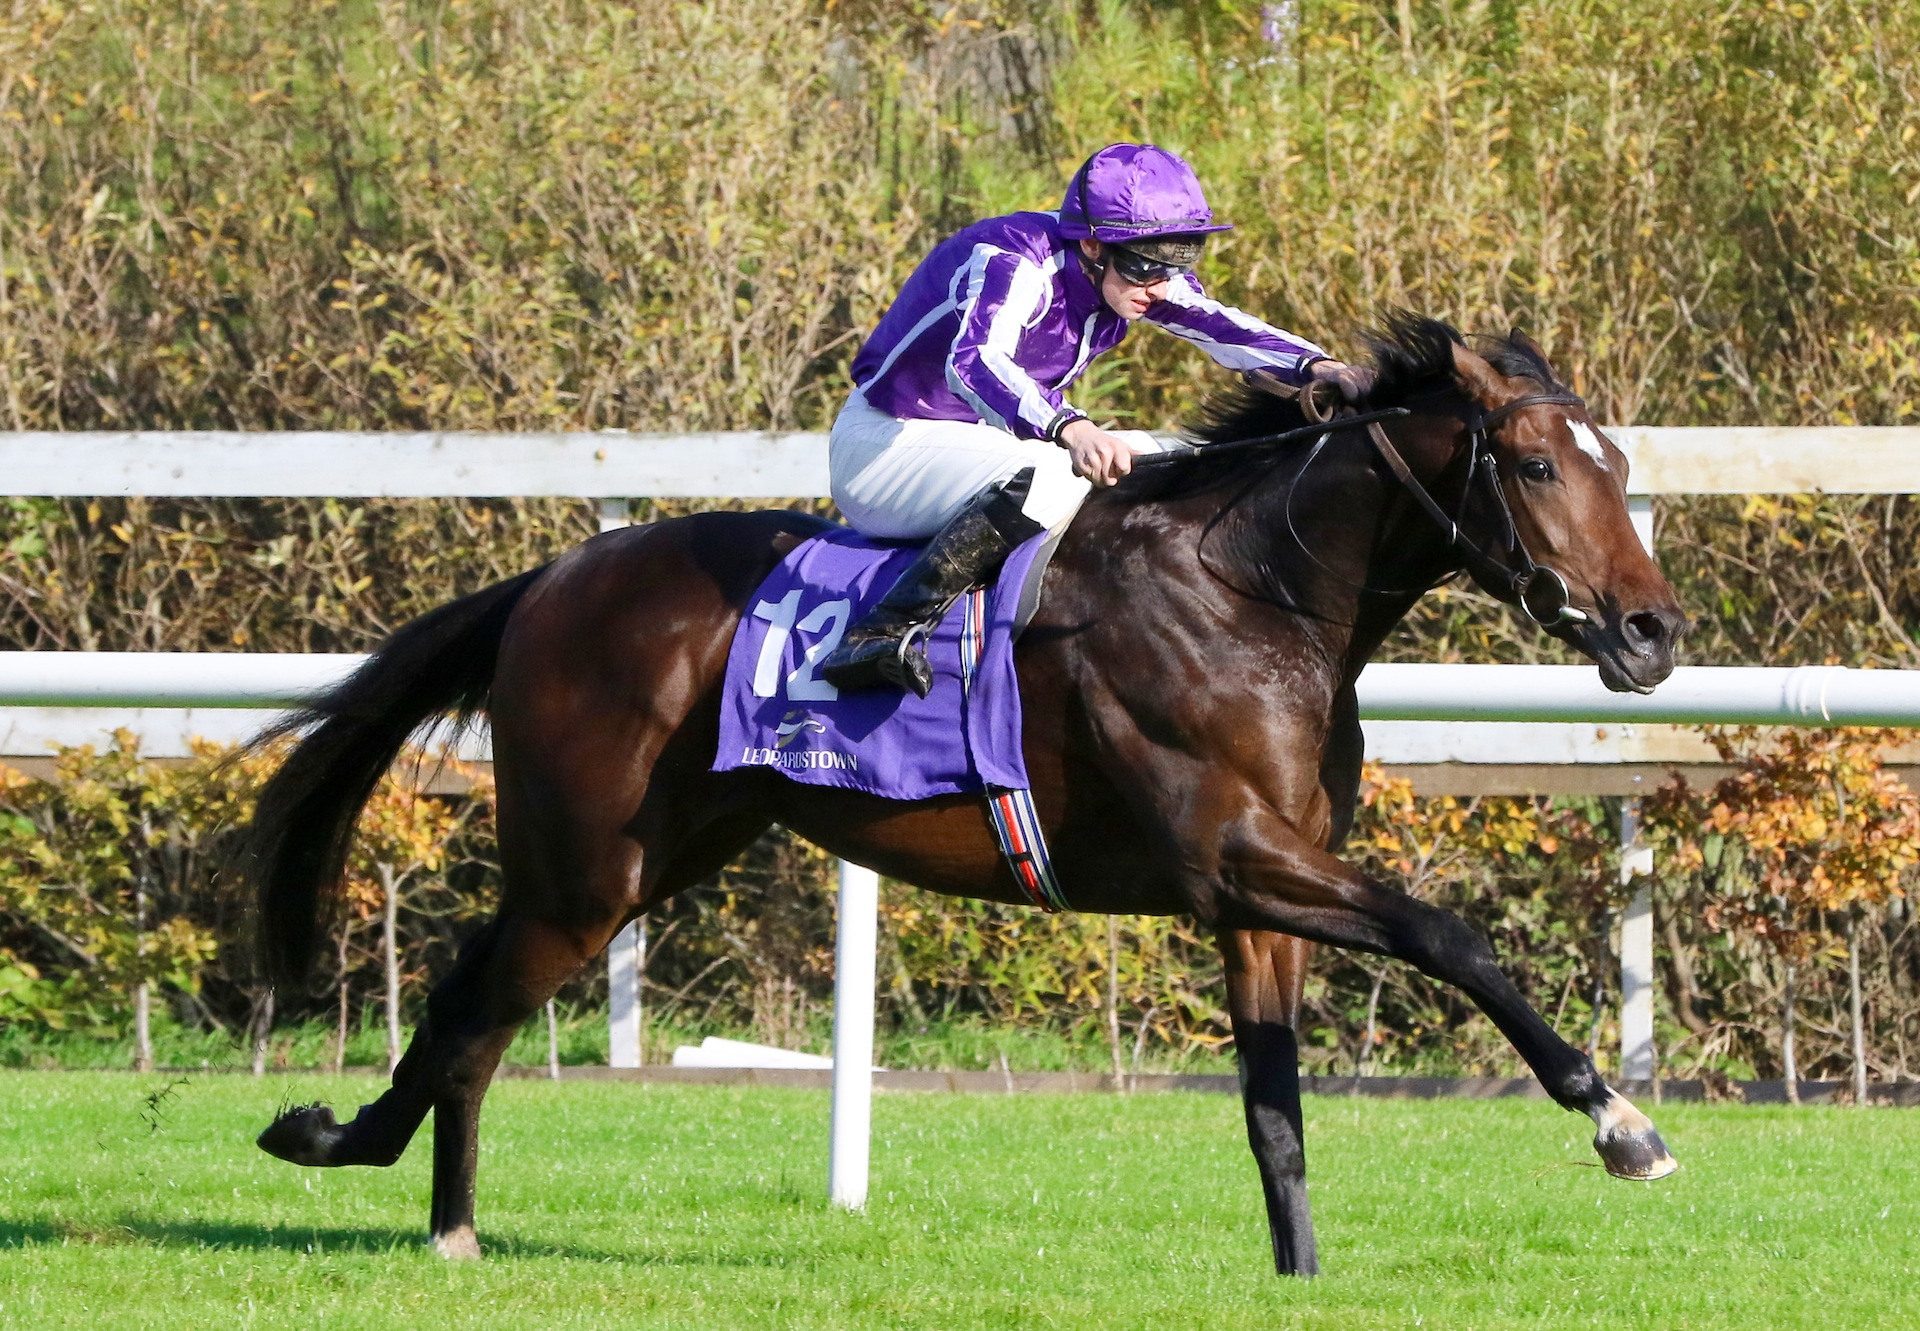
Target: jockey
(958, 428)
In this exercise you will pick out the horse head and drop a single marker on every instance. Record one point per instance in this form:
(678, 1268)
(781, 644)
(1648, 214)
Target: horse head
(1550, 527)
(1481, 462)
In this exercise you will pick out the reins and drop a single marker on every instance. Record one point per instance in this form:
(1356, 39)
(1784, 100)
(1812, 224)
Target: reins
(1186, 452)
(1540, 591)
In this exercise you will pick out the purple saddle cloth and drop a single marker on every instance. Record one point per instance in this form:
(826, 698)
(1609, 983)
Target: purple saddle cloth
(960, 739)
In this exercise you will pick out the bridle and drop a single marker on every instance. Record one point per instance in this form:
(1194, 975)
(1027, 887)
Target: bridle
(1539, 590)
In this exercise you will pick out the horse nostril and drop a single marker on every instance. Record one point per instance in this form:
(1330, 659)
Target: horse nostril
(1645, 628)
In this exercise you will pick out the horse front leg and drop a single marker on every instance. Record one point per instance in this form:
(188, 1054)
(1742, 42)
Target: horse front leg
(1265, 976)
(1270, 878)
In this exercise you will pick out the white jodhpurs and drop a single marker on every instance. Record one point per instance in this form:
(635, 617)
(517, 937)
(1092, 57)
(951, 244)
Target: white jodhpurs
(902, 480)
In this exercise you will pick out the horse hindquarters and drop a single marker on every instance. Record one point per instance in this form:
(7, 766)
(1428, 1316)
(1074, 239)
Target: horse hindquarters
(602, 701)
(604, 715)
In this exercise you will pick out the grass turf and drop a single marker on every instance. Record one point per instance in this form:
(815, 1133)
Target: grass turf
(603, 1204)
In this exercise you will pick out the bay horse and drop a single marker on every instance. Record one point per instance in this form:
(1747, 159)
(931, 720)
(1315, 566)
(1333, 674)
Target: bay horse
(1190, 731)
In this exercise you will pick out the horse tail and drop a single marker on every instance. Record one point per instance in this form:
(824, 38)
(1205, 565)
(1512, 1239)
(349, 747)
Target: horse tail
(295, 849)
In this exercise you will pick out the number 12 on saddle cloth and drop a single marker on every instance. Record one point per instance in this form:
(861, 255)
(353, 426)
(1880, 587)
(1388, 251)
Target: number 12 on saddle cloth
(963, 738)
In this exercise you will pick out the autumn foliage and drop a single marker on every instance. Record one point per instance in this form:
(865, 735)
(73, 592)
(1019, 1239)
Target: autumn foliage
(1808, 826)
(1759, 872)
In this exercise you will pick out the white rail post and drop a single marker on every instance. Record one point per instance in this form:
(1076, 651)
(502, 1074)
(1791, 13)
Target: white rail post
(1636, 926)
(1636, 950)
(627, 954)
(853, 966)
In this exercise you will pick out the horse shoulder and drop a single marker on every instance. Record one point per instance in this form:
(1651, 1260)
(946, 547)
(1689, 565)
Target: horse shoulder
(1190, 703)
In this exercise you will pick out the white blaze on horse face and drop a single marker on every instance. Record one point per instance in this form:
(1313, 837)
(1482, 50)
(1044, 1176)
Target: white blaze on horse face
(1589, 443)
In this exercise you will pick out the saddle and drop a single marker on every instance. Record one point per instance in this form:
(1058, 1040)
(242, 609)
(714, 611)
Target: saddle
(963, 738)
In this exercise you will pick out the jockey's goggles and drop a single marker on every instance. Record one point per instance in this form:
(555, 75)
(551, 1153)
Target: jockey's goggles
(1141, 271)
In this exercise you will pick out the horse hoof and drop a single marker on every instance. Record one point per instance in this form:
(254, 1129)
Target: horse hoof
(458, 1245)
(1643, 1156)
(1628, 1145)
(304, 1135)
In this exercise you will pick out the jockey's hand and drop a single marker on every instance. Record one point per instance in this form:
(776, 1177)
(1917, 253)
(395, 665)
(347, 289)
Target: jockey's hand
(1101, 457)
(1353, 382)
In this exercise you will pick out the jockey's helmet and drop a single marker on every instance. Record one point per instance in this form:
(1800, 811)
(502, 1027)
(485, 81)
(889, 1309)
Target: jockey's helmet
(1141, 197)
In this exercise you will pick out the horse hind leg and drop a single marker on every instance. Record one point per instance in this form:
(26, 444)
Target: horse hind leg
(530, 954)
(570, 885)
(527, 960)
(505, 971)
(379, 1134)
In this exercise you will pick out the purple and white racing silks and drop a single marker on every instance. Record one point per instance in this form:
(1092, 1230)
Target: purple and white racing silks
(998, 321)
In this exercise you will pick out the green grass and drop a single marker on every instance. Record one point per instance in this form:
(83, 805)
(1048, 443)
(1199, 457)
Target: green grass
(670, 1206)
(967, 1043)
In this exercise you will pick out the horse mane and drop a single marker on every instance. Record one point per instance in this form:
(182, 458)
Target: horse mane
(1411, 353)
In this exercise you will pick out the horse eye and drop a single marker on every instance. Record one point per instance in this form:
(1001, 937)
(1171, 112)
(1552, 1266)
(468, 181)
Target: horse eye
(1537, 469)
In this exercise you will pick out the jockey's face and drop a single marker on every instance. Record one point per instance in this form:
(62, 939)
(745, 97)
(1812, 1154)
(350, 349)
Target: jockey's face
(1126, 299)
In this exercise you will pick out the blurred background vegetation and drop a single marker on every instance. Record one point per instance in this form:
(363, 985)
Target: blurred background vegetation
(368, 214)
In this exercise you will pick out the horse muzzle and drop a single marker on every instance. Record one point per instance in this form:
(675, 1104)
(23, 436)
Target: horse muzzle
(1634, 649)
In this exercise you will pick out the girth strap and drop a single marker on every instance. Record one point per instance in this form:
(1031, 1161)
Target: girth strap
(1016, 823)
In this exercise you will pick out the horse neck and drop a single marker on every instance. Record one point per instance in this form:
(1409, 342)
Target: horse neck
(1324, 535)
(1405, 550)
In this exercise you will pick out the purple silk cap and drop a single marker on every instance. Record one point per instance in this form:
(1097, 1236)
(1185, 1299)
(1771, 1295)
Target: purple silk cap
(1132, 191)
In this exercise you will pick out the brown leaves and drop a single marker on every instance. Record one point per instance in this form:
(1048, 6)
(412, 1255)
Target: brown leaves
(115, 869)
(405, 830)
(97, 867)
(1446, 839)
(1810, 823)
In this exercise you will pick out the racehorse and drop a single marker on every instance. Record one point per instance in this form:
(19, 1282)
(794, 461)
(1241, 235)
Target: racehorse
(1191, 733)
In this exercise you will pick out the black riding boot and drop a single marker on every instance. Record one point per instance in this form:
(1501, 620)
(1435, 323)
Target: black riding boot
(888, 646)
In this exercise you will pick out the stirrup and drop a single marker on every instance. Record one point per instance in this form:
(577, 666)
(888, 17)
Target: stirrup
(909, 667)
(883, 661)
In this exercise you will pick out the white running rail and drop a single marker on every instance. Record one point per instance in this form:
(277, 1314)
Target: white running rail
(1761, 460)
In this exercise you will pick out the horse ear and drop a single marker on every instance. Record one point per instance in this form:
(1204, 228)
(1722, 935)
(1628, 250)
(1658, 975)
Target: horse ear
(1528, 345)
(1484, 384)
